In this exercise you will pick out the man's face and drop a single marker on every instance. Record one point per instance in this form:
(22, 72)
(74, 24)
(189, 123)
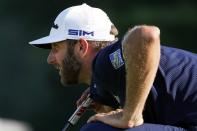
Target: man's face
(63, 58)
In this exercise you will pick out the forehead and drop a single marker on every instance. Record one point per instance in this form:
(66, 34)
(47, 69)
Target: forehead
(58, 44)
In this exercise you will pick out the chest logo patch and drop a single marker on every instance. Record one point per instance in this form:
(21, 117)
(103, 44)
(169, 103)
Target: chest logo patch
(116, 59)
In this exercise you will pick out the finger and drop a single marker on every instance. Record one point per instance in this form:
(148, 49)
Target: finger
(108, 118)
(95, 117)
(78, 103)
(87, 91)
(81, 99)
(91, 119)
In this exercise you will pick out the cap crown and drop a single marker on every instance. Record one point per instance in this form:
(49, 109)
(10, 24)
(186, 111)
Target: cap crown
(82, 21)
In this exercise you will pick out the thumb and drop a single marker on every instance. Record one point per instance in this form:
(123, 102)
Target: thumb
(96, 117)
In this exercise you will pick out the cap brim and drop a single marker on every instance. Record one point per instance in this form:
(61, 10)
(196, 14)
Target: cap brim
(46, 42)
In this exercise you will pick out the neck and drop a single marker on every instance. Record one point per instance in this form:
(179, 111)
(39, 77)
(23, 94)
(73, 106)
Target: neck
(86, 71)
(85, 76)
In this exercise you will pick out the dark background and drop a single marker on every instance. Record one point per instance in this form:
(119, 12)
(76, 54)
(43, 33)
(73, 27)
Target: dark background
(30, 90)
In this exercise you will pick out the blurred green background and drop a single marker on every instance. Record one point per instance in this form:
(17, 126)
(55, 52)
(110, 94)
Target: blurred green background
(30, 90)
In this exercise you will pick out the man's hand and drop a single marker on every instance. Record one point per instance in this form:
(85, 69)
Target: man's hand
(95, 106)
(83, 97)
(117, 119)
(100, 108)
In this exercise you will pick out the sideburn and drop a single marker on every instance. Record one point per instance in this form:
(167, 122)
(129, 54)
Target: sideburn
(72, 66)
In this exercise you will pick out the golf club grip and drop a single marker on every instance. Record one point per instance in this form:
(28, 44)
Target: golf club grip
(78, 113)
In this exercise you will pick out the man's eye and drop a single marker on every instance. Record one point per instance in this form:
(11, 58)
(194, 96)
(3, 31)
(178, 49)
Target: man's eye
(54, 49)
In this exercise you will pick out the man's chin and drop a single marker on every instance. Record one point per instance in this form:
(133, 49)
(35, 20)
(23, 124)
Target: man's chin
(68, 83)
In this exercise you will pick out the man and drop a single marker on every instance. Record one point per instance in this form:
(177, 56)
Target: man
(146, 83)
(78, 33)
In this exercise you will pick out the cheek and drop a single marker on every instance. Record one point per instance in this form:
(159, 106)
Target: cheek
(60, 58)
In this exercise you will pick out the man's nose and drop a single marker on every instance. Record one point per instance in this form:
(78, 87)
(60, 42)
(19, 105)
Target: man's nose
(51, 58)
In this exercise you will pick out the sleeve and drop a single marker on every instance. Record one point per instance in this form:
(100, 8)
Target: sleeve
(104, 76)
(103, 96)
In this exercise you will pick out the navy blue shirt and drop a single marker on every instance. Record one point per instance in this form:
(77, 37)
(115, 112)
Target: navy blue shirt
(173, 96)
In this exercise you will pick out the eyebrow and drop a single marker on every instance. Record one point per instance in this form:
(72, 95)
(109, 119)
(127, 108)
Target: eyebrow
(54, 45)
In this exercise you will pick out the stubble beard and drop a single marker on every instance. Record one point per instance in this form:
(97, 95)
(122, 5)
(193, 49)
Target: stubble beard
(71, 69)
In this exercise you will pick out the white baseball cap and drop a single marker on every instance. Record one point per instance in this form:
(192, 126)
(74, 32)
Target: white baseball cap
(82, 21)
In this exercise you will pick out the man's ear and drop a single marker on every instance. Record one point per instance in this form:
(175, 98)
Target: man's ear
(82, 47)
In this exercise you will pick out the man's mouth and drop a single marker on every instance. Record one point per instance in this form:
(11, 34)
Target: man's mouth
(57, 67)
(60, 71)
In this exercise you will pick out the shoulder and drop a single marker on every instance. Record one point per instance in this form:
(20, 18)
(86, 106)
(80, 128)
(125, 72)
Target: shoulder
(172, 56)
(110, 55)
(179, 69)
(111, 48)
